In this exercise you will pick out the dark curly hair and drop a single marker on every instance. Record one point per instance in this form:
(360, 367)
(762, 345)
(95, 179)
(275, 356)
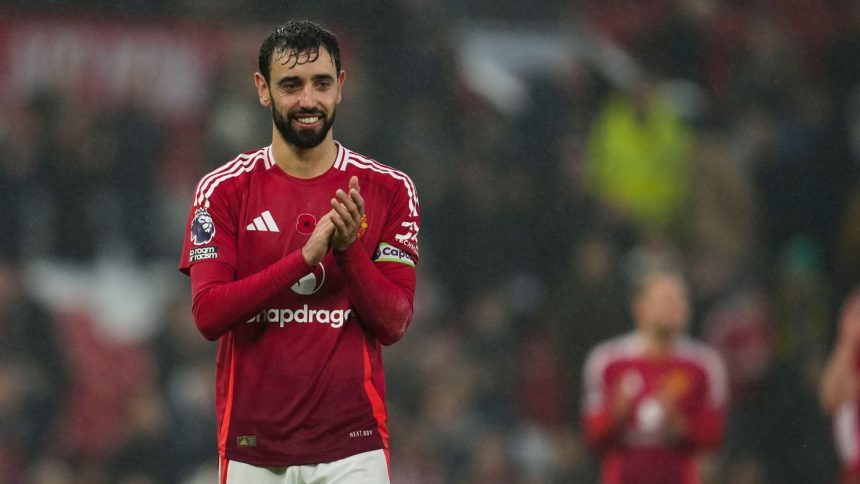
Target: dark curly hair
(299, 40)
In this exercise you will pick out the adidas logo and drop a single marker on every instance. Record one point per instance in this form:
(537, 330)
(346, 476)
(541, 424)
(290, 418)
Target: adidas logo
(263, 223)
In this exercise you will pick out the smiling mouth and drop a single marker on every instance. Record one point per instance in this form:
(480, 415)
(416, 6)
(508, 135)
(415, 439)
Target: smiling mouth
(308, 120)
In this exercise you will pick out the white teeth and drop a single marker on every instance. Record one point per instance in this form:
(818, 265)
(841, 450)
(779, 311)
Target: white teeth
(309, 119)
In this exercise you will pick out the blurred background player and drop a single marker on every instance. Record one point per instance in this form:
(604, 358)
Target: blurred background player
(654, 398)
(302, 261)
(839, 389)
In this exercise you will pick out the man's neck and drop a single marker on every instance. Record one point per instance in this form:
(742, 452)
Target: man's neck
(658, 345)
(303, 163)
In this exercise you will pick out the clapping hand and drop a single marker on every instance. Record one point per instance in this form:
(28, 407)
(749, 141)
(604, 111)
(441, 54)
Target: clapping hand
(346, 214)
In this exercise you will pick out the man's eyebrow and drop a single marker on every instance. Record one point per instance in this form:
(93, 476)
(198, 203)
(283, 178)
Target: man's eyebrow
(296, 79)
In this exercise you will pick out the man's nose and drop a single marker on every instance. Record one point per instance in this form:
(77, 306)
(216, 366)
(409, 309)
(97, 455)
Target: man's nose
(307, 98)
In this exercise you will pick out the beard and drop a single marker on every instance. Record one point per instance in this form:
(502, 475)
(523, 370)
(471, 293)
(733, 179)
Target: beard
(302, 138)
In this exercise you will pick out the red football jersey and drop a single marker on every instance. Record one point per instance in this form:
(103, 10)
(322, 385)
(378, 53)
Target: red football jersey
(299, 380)
(692, 381)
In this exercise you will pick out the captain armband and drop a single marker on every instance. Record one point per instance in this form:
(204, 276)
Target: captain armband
(388, 253)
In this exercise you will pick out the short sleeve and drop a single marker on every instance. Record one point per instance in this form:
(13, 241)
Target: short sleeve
(594, 392)
(715, 372)
(210, 233)
(399, 241)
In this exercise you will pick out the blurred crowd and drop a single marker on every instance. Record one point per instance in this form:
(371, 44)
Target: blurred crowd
(729, 144)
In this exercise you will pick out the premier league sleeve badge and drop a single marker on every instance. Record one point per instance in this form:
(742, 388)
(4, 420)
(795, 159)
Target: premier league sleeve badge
(202, 227)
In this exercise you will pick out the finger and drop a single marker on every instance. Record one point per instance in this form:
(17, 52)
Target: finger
(358, 200)
(338, 224)
(341, 211)
(355, 194)
(323, 232)
(324, 222)
(349, 203)
(328, 226)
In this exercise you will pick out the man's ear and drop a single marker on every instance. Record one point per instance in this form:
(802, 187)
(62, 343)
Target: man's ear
(341, 79)
(262, 89)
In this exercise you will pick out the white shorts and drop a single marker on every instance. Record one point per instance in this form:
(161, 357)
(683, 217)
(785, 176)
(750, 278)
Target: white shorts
(365, 468)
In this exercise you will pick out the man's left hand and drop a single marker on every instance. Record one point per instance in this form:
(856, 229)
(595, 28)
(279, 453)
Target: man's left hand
(348, 208)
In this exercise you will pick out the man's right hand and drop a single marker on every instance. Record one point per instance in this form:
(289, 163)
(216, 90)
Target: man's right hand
(319, 242)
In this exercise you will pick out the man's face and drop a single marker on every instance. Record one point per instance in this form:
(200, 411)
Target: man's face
(662, 307)
(303, 92)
